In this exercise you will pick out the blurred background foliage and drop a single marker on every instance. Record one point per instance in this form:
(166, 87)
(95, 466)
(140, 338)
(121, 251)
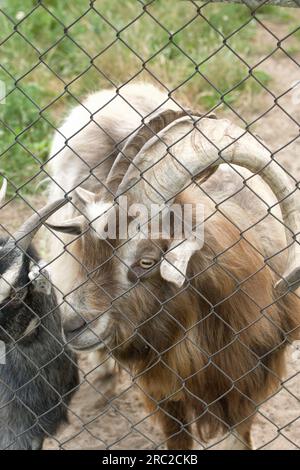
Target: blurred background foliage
(53, 53)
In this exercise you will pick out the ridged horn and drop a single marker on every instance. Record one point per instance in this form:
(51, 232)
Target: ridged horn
(135, 143)
(187, 147)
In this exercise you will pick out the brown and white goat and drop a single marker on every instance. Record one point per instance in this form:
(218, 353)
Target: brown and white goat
(204, 331)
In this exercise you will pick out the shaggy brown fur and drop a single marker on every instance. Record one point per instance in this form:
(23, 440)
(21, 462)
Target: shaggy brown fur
(208, 353)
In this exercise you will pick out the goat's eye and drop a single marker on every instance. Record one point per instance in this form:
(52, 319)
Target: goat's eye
(147, 263)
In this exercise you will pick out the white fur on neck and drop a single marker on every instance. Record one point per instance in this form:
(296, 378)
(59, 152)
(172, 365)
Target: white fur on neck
(98, 213)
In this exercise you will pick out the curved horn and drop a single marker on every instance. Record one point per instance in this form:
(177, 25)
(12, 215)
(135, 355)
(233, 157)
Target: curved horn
(136, 142)
(24, 235)
(187, 147)
(3, 190)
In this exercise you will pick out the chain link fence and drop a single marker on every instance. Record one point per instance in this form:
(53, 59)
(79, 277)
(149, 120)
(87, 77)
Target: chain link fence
(185, 324)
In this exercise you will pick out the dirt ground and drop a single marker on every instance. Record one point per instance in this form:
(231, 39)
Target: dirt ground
(104, 417)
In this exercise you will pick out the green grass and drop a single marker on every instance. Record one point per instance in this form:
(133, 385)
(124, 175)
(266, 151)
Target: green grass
(276, 14)
(71, 50)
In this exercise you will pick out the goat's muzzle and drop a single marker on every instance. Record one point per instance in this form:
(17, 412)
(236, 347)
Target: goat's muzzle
(81, 335)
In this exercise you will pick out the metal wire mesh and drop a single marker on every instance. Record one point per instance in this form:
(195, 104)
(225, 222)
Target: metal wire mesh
(107, 411)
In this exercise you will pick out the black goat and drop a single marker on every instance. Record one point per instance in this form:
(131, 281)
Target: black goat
(38, 373)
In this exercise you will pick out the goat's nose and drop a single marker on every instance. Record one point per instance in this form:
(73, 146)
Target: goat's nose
(73, 324)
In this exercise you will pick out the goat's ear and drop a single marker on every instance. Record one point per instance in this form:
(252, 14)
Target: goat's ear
(72, 226)
(173, 268)
(85, 196)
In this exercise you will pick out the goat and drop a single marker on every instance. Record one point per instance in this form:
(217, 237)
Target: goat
(39, 375)
(82, 154)
(203, 329)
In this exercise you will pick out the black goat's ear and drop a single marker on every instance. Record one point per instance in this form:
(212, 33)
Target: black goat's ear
(71, 226)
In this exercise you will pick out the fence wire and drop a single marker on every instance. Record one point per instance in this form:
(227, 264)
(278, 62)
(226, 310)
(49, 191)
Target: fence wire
(188, 331)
